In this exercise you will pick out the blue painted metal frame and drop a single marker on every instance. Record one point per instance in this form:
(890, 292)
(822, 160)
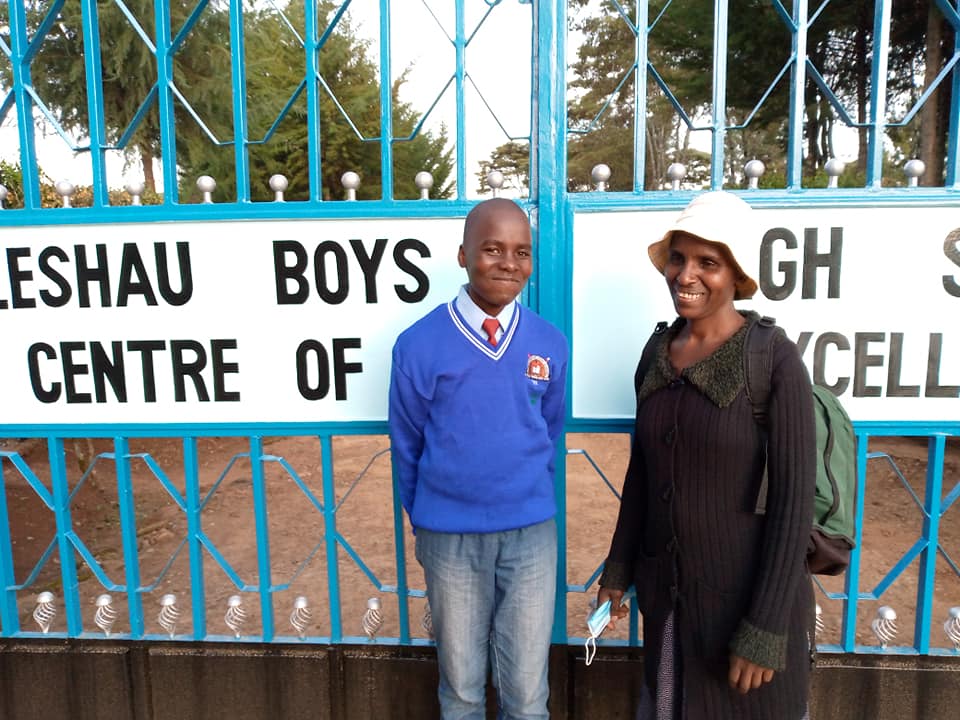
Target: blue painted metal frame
(552, 211)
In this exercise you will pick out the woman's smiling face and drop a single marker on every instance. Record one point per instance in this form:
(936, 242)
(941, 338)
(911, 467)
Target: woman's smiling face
(701, 276)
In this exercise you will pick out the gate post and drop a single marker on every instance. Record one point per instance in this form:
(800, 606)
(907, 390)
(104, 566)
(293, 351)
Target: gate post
(549, 218)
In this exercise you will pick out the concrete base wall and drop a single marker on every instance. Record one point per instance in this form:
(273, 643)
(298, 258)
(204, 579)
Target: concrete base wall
(116, 680)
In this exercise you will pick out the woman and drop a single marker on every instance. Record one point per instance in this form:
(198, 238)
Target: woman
(725, 595)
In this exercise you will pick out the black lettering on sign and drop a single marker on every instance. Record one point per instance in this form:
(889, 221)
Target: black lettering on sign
(820, 361)
(33, 362)
(133, 277)
(18, 276)
(176, 299)
(183, 368)
(934, 388)
(283, 272)
(99, 273)
(188, 360)
(332, 268)
(369, 264)
(321, 273)
(314, 360)
(221, 368)
(71, 370)
(863, 360)
(419, 292)
(66, 292)
(951, 248)
(135, 280)
(894, 388)
(341, 367)
(788, 268)
(313, 355)
(812, 260)
(802, 341)
(147, 348)
(108, 368)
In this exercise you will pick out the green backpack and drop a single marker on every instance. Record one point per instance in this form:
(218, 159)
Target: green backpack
(832, 535)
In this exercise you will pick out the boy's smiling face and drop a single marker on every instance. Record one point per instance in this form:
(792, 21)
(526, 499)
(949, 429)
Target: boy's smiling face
(497, 253)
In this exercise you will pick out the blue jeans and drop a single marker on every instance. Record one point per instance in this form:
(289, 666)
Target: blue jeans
(491, 596)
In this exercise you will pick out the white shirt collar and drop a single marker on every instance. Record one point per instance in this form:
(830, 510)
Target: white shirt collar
(474, 316)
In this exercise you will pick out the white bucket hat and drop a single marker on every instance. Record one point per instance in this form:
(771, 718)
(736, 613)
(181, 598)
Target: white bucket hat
(725, 219)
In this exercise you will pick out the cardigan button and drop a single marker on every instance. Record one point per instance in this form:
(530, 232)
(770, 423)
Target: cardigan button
(670, 436)
(672, 545)
(667, 493)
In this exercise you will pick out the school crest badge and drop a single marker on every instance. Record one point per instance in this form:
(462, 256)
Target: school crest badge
(538, 368)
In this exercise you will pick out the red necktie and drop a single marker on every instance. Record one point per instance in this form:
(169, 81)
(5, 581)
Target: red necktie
(490, 326)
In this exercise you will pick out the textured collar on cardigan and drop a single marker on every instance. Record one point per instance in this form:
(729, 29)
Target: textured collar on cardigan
(719, 376)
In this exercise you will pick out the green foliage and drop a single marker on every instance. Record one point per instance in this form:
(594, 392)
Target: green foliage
(274, 62)
(274, 66)
(513, 160)
(680, 48)
(11, 177)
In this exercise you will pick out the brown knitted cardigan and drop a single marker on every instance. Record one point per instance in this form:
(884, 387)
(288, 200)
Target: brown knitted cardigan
(689, 539)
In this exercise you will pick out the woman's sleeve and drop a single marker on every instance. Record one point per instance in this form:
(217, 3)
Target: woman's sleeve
(791, 454)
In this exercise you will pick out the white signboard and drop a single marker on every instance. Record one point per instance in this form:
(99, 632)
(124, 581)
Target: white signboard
(871, 296)
(287, 321)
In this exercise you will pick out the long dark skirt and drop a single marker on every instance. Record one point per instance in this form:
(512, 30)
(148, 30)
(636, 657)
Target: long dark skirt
(668, 705)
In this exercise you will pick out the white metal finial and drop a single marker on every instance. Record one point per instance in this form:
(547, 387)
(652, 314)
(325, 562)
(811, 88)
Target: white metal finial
(301, 616)
(106, 614)
(424, 181)
(350, 181)
(3, 195)
(135, 189)
(952, 628)
(278, 183)
(818, 625)
(913, 169)
(45, 611)
(372, 618)
(65, 189)
(754, 170)
(169, 614)
(206, 185)
(834, 168)
(236, 614)
(600, 174)
(675, 173)
(884, 625)
(495, 181)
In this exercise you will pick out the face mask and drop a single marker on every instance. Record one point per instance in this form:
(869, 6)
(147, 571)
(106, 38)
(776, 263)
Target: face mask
(596, 624)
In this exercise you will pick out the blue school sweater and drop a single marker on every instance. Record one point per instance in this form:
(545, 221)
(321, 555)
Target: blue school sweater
(474, 428)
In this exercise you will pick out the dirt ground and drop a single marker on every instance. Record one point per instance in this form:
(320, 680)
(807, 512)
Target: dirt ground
(364, 520)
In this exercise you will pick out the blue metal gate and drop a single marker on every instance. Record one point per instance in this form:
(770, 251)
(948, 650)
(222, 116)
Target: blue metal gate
(555, 200)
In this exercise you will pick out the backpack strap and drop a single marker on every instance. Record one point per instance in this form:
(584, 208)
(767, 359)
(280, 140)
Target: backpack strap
(762, 335)
(648, 355)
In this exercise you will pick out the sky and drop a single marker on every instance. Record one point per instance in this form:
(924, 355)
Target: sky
(497, 60)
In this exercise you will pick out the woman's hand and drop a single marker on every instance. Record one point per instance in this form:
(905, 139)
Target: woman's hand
(745, 675)
(617, 610)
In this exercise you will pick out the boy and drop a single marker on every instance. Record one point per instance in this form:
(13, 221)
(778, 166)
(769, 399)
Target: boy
(477, 406)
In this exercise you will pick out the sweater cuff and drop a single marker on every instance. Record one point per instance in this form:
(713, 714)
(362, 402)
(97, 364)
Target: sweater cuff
(760, 647)
(616, 576)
